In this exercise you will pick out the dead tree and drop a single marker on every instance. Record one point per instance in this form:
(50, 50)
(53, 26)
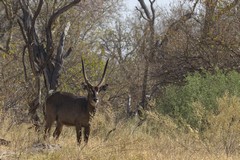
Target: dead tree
(10, 9)
(149, 39)
(45, 59)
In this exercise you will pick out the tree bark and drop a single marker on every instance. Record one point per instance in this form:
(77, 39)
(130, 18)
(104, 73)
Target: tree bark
(43, 60)
(150, 42)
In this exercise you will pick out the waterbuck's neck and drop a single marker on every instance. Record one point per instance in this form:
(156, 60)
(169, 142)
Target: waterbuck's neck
(91, 106)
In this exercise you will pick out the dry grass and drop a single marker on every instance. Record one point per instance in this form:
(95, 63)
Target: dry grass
(157, 138)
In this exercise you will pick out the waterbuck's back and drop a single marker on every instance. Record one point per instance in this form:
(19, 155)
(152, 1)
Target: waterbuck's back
(67, 108)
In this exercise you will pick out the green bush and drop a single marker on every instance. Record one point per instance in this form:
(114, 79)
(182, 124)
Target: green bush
(178, 101)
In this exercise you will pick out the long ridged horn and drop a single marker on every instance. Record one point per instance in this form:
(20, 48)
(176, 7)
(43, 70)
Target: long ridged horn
(84, 74)
(104, 73)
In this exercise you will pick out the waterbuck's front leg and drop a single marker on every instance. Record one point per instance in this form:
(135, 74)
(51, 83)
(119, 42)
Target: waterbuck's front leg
(86, 133)
(58, 130)
(79, 133)
(48, 125)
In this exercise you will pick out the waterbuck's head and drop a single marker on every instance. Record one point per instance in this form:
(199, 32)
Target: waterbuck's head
(94, 90)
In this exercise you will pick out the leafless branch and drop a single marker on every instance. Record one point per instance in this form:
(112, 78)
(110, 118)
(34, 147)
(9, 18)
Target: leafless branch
(144, 7)
(52, 19)
(6, 7)
(22, 30)
(67, 53)
(152, 9)
(141, 13)
(37, 12)
(23, 61)
(194, 6)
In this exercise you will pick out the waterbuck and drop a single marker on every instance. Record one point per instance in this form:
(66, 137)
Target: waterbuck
(71, 110)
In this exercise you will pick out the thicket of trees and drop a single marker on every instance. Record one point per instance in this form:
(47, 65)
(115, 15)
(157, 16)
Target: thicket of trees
(149, 51)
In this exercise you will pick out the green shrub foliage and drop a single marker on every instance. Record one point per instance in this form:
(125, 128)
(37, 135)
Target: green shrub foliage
(191, 102)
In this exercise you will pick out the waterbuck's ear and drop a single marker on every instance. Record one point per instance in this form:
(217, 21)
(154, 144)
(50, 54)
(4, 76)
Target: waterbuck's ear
(103, 88)
(84, 86)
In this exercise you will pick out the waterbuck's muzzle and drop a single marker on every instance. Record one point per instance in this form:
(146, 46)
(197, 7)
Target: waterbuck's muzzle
(95, 100)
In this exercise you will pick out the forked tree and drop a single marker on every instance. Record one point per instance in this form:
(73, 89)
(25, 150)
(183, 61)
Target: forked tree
(44, 55)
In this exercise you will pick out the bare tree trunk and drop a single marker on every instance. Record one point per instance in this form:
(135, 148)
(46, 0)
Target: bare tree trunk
(150, 44)
(44, 59)
(210, 6)
(144, 85)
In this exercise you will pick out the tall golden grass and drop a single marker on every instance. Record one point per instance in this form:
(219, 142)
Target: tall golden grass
(157, 138)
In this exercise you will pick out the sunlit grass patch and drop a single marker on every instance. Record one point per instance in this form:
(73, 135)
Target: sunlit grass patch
(156, 138)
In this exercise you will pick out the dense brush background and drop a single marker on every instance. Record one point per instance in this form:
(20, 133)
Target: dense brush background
(185, 68)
